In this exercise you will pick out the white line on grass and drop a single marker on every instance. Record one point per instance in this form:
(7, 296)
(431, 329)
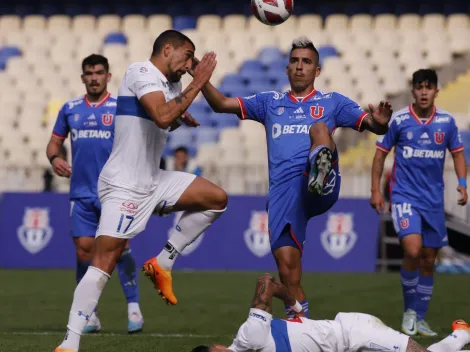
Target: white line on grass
(56, 333)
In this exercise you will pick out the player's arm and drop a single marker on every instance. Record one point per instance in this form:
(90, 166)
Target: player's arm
(378, 118)
(53, 151)
(163, 113)
(266, 288)
(377, 200)
(219, 102)
(460, 166)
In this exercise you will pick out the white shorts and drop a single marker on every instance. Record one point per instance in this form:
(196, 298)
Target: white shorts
(364, 333)
(125, 213)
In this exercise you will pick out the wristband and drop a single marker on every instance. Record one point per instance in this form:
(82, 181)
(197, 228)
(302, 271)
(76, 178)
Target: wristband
(53, 157)
(463, 181)
(297, 307)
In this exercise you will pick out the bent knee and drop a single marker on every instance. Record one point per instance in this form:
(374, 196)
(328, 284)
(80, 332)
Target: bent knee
(83, 254)
(319, 128)
(220, 199)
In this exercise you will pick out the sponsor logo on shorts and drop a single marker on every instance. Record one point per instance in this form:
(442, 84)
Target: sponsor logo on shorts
(35, 233)
(129, 207)
(257, 235)
(339, 237)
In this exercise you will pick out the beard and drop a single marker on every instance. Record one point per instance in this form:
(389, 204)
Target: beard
(174, 77)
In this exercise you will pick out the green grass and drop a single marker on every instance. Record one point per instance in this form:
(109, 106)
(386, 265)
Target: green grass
(34, 306)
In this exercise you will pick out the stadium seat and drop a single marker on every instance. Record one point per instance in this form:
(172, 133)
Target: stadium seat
(83, 23)
(291, 25)
(115, 38)
(184, 22)
(59, 23)
(433, 23)
(263, 40)
(336, 23)
(206, 135)
(254, 66)
(134, 24)
(181, 136)
(9, 23)
(34, 23)
(409, 23)
(209, 23)
(231, 23)
(108, 24)
(308, 23)
(360, 23)
(385, 21)
(456, 22)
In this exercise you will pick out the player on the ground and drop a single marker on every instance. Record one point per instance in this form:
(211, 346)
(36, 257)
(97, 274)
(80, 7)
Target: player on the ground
(90, 121)
(349, 332)
(303, 161)
(421, 134)
(132, 187)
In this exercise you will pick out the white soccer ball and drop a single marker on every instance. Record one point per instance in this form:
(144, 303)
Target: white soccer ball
(272, 12)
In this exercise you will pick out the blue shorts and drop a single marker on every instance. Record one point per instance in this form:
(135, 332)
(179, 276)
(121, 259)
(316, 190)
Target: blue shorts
(431, 225)
(85, 215)
(291, 206)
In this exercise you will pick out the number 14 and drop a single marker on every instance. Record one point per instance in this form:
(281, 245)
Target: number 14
(128, 217)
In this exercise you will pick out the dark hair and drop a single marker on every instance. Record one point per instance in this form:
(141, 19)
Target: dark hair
(425, 75)
(304, 43)
(201, 348)
(182, 149)
(95, 59)
(175, 38)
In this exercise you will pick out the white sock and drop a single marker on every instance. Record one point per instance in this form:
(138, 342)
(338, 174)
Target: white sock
(85, 299)
(189, 228)
(133, 307)
(453, 342)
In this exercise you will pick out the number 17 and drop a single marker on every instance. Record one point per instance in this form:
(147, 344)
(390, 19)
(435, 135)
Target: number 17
(128, 217)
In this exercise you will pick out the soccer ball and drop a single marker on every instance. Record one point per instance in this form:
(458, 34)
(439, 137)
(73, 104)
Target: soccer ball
(272, 12)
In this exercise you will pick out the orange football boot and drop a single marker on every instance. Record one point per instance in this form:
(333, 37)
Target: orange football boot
(161, 279)
(58, 349)
(460, 325)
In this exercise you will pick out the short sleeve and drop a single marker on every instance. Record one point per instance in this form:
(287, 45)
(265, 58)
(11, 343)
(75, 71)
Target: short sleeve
(389, 139)
(348, 113)
(254, 107)
(454, 143)
(254, 333)
(141, 80)
(61, 127)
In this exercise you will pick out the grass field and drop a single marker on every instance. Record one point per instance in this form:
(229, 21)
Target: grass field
(34, 308)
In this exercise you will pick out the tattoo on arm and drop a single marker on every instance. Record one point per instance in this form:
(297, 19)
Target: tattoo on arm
(179, 98)
(413, 346)
(263, 296)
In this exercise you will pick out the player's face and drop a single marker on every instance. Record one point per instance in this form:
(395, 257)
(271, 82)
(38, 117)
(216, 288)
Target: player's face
(424, 94)
(181, 60)
(302, 69)
(181, 158)
(95, 79)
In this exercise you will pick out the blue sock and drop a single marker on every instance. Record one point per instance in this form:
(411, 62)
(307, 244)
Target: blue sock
(423, 295)
(81, 269)
(313, 154)
(305, 308)
(128, 276)
(409, 281)
(289, 312)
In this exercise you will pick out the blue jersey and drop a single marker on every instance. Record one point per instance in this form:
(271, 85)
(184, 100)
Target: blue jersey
(288, 119)
(91, 127)
(420, 150)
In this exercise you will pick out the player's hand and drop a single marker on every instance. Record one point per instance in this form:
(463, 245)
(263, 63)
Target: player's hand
(382, 114)
(204, 68)
(377, 202)
(463, 192)
(195, 62)
(61, 167)
(188, 120)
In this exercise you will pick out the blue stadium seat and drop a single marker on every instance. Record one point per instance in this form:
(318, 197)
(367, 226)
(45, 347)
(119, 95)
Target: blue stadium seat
(255, 76)
(251, 66)
(168, 151)
(6, 53)
(206, 135)
(181, 136)
(184, 22)
(326, 51)
(198, 109)
(233, 79)
(204, 118)
(269, 55)
(278, 66)
(262, 86)
(225, 120)
(115, 38)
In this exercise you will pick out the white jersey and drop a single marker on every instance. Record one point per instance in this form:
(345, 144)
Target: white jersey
(349, 332)
(134, 162)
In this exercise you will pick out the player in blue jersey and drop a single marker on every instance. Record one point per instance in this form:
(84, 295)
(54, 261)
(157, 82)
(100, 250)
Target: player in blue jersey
(90, 121)
(421, 134)
(348, 332)
(304, 180)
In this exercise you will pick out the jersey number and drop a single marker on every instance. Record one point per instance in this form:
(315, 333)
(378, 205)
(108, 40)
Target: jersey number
(402, 209)
(107, 119)
(127, 217)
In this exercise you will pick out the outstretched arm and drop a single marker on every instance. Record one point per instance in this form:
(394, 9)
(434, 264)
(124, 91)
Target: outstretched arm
(266, 288)
(219, 102)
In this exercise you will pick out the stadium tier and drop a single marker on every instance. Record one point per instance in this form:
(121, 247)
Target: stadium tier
(366, 54)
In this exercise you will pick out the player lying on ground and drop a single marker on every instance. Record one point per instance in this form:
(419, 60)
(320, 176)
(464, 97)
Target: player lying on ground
(304, 179)
(132, 187)
(90, 121)
(349, 332)
(421, 134)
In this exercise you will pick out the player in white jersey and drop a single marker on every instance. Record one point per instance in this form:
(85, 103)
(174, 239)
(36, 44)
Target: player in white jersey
(349, 332)
(132, 187)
